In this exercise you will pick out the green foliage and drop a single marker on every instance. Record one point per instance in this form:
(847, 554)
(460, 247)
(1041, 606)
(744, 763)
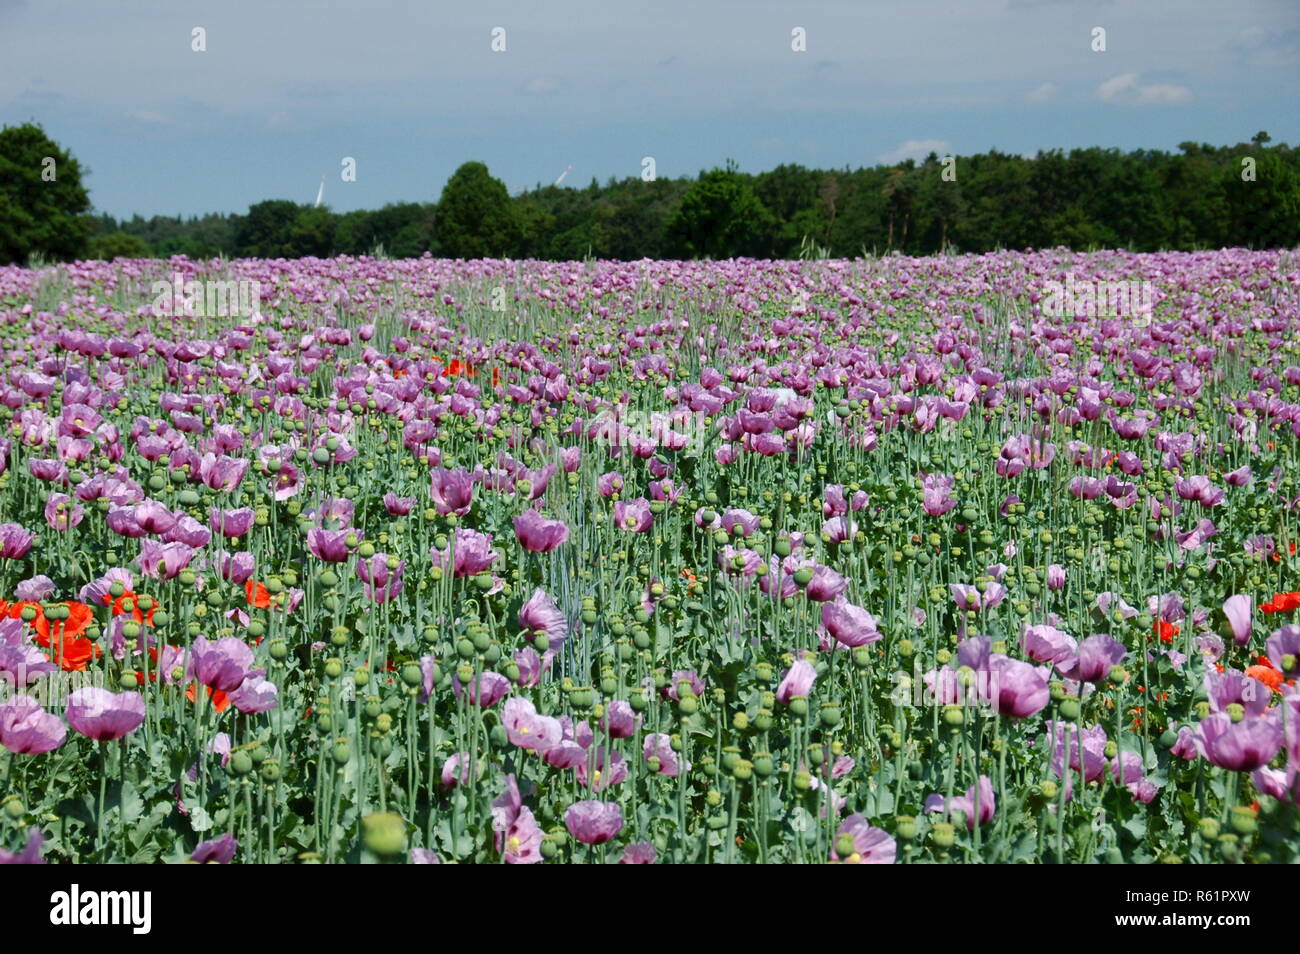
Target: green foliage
(117, 245)
(721, 217)
(474, 217)
(267, 230)
(1145, 200)
(42, 200)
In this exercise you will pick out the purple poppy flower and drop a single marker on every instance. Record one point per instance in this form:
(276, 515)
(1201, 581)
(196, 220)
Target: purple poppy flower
(1283, 643)
(850, 625)
(966, 804)
(1093, 660)
(222, 664)
(1055, 577)
(1047, 644)
(797, 681)
(1237, 610)
(517, 836)
(609, 484)
(35, 589)
(473, 553)
(935, 496)
(255, 694)
(620, 721)
(188, 531)
(609, 768)
(99, 714)
(489, 689)
(237, 568)
(682, 682)
(826, 585)
(232, 524)
(153, 517)
(634, 516)
(216, 851)
(659, 746)
(26, 728)
(1232, 687)
(222, 473)
(539, 615)
(593, 822)
(162, 561)
(1239, 477)
(425, 856)
(330, 545)
(746, 521)
(1066, 736)
(452, 491)
(398, 506)
(871, 846)
(30, 854)
(526, 728)
(638, 853)
(15, 542)
(62, 512)
(538, 534)
(1016, 689)
(381, 581)
(1240, 746)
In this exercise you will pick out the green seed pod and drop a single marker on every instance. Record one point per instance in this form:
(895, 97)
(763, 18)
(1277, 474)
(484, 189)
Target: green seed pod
(906, 829)
(271, 770)
(241, 764)
(384, 833)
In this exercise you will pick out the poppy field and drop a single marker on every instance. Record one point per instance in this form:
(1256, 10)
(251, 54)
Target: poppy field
(882, 561)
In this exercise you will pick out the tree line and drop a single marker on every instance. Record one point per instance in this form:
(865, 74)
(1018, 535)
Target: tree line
(1201, 196)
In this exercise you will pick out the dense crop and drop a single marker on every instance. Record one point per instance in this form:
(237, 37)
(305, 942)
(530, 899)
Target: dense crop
(873, 561)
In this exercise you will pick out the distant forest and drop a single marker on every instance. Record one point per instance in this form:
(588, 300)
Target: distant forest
(1200, 197)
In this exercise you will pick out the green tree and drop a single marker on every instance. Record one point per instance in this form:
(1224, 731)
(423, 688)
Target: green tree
(474, 217)
(43, 204)
(105, 248)
(267, 230)
(721, 217)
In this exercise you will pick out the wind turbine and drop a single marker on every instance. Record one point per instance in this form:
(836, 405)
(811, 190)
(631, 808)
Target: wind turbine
(320, 193)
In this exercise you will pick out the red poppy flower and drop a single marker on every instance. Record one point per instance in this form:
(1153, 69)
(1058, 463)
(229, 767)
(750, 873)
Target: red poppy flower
(258, 595)
(1282, 603)
(220, 700)
(1166, 631)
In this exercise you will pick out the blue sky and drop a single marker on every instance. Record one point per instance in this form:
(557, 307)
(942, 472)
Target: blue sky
(287, 88)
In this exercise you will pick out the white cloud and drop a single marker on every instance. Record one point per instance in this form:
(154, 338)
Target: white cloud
(1126, 89)
(1042, 93)
(917, 149)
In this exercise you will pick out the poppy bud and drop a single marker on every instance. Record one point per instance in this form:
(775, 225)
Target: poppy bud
(1048, 788)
